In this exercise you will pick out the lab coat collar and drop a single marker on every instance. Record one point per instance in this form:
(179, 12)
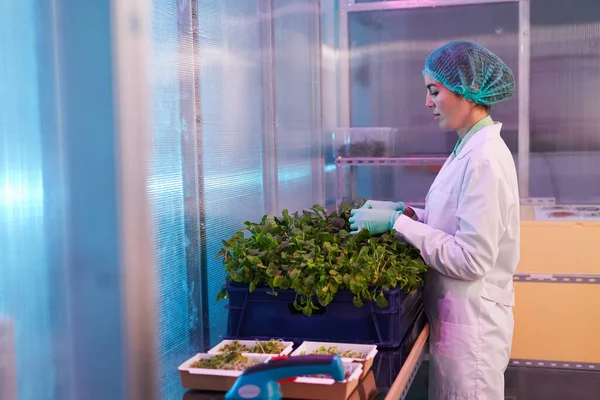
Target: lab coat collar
(485, 133)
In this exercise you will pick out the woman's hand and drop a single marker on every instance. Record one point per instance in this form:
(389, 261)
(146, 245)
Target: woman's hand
(376, 221)
(383, 205)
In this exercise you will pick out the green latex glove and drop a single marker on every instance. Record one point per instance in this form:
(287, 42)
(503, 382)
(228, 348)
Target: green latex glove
(384, 205)
(376, 221)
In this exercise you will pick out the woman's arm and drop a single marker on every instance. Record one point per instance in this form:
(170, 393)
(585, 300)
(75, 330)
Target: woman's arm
(471, 252)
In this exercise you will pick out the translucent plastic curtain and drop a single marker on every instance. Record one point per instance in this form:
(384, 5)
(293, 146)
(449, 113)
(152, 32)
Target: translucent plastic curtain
(59, 241)
(61, 286)
(297, 109)
(258, 69)
(231, 127)
(172, 190)
(26, 318)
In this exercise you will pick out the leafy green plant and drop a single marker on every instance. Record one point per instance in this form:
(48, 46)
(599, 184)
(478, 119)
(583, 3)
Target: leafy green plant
(313, 253)
(231, 360)
(347, 373)
(271, 346)
(234, 347)
(334, 350)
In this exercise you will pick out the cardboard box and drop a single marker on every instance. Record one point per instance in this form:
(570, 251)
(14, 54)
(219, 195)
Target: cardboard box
(309, 388)
(367, 388)
(289, 346)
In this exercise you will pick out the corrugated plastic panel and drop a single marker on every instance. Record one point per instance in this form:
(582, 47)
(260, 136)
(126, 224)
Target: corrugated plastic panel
(170, 189)
(231, 124)
(26, 319)
(297, 84)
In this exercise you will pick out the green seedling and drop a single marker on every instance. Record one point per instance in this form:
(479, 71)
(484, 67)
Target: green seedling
(314, 254)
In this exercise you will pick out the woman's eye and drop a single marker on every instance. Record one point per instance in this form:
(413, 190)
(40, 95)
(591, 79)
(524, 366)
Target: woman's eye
(434, 93)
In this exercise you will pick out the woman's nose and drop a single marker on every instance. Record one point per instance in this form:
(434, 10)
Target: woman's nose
(428, 102)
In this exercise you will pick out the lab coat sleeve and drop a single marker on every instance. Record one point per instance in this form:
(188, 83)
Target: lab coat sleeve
(471, 252)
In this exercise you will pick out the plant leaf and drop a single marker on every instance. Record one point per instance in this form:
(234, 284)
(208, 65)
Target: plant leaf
(357, 301)
(381, 300)
(221, 295)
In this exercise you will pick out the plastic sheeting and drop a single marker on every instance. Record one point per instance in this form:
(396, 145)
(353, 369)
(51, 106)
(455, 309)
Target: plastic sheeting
(235, 122)
(25, 286)
(258, 111)
(171, 188)
(297, 107)
(59, 246)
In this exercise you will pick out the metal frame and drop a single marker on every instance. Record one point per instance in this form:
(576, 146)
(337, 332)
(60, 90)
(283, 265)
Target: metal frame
(352, 6)
(193, 171)
(401, 385)
(269, 116)
(413, 373)
(538, 201)
(69, 390)
(344, 88)
(317, 160)
(378, 161)
(131, 41)
(523, 89)
(344, 104)
(329, 14)
(204, 302)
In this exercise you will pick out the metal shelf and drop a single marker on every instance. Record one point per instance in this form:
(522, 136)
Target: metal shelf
(556, 364)
(406, 376)
(367, 161)
(558, 278)
(379, 161)
(538, 201)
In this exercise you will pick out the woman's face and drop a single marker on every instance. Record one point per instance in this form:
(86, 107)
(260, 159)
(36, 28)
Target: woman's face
(451, 111)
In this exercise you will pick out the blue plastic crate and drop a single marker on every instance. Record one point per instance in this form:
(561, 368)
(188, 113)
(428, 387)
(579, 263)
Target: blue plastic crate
(263, 316)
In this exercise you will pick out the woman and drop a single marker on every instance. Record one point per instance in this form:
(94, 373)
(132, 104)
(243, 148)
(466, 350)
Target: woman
(468, 232)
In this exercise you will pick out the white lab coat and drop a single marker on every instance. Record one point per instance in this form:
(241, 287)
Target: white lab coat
(469, 235)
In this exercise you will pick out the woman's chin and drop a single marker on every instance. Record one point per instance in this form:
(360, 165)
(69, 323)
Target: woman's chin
(445, 126)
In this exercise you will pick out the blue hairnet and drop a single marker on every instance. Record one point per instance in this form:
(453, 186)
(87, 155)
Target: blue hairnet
(471, 71)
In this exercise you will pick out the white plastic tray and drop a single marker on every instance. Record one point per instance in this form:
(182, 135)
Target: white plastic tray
(186, 366)
(368, 350)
